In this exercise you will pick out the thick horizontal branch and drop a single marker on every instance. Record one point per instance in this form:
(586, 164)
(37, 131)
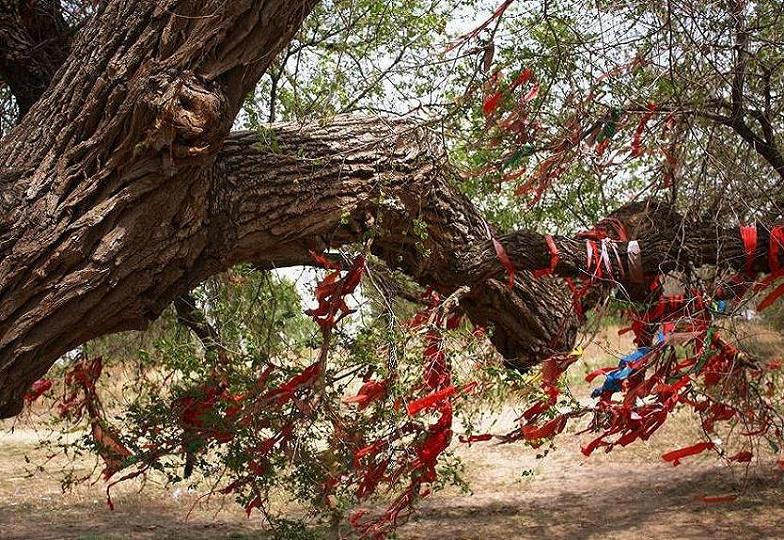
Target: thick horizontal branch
(661, 251)
(292, 189)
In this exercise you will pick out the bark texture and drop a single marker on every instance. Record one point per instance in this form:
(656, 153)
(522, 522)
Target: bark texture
(103, 182)
(326, 185)
(34, 43)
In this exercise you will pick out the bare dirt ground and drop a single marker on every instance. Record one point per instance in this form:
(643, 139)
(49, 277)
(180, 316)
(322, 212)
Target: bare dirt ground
(567, 497)
(630, 493)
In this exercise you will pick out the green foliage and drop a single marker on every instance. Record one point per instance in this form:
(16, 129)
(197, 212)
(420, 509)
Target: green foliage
(352, 56)
(600, 64)
(263, 341)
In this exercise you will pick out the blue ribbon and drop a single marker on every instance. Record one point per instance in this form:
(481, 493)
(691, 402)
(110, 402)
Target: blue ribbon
(612, 382)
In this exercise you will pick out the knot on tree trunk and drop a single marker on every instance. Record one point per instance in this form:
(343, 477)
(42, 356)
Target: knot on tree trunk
(192, 115)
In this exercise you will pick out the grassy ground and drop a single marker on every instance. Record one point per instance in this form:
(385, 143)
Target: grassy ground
(629, 494)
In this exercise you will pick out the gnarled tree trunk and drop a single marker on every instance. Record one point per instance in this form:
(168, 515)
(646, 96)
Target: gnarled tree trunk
(103, 183)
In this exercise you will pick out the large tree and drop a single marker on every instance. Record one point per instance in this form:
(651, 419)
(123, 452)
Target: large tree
(132, 194)
(123, 188)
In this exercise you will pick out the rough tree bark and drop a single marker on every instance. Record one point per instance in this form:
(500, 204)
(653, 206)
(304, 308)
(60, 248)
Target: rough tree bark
(119, 192)
(326, 185)
(103, 180)
(34, 43)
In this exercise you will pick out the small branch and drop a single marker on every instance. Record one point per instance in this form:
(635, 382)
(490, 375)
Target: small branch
(741, 59)
(765, 124)
(190, 316)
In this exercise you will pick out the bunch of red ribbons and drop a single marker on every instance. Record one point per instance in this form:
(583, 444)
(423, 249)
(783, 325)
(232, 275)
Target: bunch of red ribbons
(428, 442)
(80, 397)
(332, 291)
(532, 426)
(709, 380)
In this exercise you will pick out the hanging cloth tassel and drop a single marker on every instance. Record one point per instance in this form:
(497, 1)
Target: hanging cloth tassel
(634, 255)
(749, 236)
(776, 271)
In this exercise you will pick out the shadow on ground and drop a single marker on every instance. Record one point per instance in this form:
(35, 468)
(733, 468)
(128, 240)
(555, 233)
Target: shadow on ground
(608, 502)
(590, 500)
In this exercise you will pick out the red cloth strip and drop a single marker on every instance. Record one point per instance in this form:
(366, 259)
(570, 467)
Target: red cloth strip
(676, 455)
(593, 260)
(776, 243)
(505, 261)
(602, 230)
(713, 499)
(550, 429)
(431, 400)
(749, 236)
(555, 257)
(476, 438)
(742, 457)
(772, 297)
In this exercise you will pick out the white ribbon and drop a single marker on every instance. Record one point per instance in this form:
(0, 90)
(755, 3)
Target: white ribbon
(635, 261)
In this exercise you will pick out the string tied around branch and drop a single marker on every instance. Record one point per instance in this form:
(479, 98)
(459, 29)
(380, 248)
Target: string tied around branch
(555, 257)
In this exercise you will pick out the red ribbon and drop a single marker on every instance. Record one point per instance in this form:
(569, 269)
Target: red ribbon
(676, 455)
(593, 257)
(776, 243)
(749, 236)
(742, 457)
(710, 499)
(476, 438)
(774, 250)
(602, 230)
(37, 389)
(370, 392)
(555, 257)
(431, 400)
(505, 261)
(550, 429)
